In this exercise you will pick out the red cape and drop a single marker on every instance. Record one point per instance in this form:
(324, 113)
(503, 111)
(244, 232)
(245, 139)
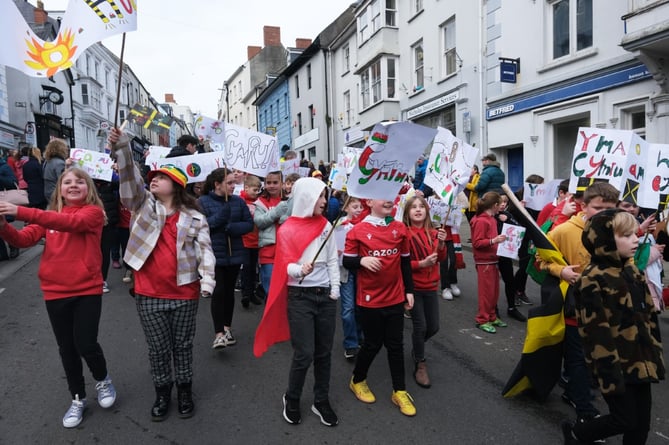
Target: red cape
(292, 237)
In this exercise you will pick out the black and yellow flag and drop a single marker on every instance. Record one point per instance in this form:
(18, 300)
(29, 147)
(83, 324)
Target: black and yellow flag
(540, 362)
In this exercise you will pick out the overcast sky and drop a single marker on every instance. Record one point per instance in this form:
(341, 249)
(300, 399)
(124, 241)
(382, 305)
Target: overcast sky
(189, 48)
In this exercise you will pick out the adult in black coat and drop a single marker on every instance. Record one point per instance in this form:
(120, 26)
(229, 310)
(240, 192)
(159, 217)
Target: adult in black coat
(31, 164)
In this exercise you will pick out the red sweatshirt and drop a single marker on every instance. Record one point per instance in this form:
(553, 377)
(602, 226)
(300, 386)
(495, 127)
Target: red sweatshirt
(71, 263)
(484, 229)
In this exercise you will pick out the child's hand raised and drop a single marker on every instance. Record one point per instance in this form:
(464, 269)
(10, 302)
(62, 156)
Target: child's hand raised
(371, 263)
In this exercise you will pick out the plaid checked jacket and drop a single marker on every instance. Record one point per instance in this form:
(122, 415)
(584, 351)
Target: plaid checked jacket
(195, 257)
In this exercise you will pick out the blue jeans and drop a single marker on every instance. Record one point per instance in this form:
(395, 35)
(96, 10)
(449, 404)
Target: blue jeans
(578, 387)
(352, 336)
(312, 317)
(266, 276)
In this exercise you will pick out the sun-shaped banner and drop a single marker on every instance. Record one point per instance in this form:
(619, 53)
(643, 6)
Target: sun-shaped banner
(84, 24)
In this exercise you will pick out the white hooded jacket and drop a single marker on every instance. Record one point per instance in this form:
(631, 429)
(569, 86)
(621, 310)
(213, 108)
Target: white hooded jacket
(306, 192)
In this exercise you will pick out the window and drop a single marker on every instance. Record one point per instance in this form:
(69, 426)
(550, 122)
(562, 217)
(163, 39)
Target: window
(376, 16)
(312, 152)
(308, 76)
(121, 115)
(416, 6)
(364, 88)
(363, 25)
(97, 70)
(418, 69)
(376, 81)
(88, 66)
(285, 105)
(391, 12)
(299, 123)
(572, 26)
(635, 119)
(84, 94)
(346, 58)
(449, 60)
(391, 80)
(297, 86)
(311, 117)
(347, 109)
(107, 84)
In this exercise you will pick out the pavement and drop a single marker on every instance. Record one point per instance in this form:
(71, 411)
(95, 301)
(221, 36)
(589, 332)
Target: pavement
(8, 268)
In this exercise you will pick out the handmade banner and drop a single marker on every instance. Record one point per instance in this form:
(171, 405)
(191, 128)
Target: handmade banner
(290, 166)
(387, 158)
(514, 237)
(338, 175)
(609, 155)
(156, 155)
(196, 167)
(450, 164)
(536, 196)
(208, 129)
(350, 158)
(98, 165)
(657, 173)
(150, 118)
(84, 23)
(251, 151)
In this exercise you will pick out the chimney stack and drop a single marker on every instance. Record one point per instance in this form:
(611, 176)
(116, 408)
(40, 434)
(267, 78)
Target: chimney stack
(252, 51)
(302, 43)
(169, 98)
(272, 35)
(40, 14)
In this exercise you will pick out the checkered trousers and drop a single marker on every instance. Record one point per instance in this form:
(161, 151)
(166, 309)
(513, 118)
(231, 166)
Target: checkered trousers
(169, 328)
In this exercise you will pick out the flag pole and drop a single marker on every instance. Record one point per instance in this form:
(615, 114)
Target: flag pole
(120, 80)
(334, 224)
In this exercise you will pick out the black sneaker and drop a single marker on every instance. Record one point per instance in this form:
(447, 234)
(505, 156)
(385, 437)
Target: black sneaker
(566, 399)
(324, 411)
(516, 314)
(522, 298)
(350, 353)
(567, 427)
(291, 410)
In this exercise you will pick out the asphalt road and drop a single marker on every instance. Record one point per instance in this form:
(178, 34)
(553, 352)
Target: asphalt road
(238, 397)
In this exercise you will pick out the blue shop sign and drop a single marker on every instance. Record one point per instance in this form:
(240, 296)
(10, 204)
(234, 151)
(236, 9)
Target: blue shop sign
(507, 72)
(580, 88)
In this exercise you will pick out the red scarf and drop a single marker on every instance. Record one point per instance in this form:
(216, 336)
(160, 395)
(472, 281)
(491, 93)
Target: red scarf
(292, 237)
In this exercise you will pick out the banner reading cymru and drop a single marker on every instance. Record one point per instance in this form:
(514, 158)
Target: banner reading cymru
(84, 23)
(387, 158)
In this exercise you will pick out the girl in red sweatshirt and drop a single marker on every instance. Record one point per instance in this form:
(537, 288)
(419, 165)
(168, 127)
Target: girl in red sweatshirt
(71, 279)
(484, 242)
(428, 248)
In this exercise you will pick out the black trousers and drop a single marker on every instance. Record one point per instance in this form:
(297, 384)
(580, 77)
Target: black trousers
(75, 321)
(629, 415)
(505, 266)
(223, 298)
(382, 327)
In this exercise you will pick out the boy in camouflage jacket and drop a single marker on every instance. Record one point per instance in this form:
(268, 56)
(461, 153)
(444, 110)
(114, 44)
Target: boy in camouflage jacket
(619, 328)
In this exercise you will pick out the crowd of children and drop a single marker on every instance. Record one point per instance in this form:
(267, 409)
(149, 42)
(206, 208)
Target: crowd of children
(184, 244)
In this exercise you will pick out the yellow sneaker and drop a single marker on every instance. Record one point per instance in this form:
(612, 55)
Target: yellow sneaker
(362, 391)
(405, 402)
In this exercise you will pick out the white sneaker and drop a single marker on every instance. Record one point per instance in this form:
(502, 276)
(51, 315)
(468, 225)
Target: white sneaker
(105, 288)
(75, 414)
(127, 277)
(447, 294)
(219, 342)
(106, 392)
(455, 290)
(229, 339)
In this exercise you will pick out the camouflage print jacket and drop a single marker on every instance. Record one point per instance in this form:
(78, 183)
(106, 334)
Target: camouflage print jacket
(614, 308)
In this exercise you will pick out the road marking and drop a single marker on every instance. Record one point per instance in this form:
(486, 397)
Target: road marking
(2, 289)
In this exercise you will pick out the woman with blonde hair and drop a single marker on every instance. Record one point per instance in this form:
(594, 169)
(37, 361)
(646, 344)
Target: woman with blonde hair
(55, 154)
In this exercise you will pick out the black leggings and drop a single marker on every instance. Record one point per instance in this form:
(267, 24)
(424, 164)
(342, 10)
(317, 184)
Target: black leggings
(223, 298)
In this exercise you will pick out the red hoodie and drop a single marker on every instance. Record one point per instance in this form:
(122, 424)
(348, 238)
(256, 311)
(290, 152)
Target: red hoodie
(250, 239)
(71, 263)
(425, 278)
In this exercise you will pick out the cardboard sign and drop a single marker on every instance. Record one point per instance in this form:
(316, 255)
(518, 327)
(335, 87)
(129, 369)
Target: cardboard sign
(536, 196)
(196, 167)
(514, 237)
(97, 165)
(250, 151)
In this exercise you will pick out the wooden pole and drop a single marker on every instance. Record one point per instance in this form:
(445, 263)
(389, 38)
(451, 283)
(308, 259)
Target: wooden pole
(120, 80)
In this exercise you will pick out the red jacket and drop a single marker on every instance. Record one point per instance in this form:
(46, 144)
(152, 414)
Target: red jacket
(425, 278)
(71, 263)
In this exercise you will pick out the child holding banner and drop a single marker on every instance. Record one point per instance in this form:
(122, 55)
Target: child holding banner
(379, 246)
(484, 243)
(619, 331)
(427, 249)
(170, 250)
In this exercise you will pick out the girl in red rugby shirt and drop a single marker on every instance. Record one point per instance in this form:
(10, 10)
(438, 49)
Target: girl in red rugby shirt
(428, 248)
(379, 247)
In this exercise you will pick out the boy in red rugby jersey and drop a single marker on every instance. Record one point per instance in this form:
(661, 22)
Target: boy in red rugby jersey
(379, 244)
